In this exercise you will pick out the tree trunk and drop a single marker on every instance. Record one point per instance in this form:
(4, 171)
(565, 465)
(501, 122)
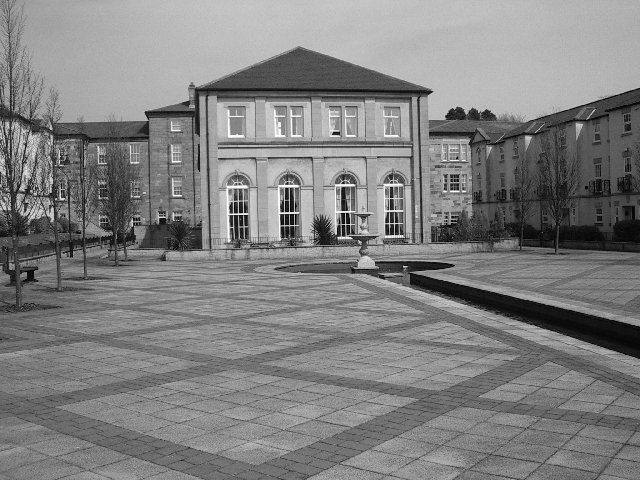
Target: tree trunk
(16, 269)
(56, 241)
(115, 249)
(124, 246)
(84, 251)
(556, 242)
(521, 234)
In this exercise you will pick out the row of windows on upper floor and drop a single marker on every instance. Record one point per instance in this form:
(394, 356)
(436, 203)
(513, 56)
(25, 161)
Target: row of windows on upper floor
(451, 152)
(289, 121)
(175, 154)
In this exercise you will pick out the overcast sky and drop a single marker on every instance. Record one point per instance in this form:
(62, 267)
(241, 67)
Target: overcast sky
(123, 57)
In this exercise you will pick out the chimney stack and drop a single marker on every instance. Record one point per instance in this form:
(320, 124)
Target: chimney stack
(192, 95)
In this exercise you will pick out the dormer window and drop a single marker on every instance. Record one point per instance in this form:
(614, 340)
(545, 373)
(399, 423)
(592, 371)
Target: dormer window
(596, 131)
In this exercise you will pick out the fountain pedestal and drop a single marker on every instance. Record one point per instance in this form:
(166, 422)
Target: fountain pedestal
(365, 263)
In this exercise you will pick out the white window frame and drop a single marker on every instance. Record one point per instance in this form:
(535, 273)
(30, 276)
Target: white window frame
(103, 222)
(176, 185)
(135, 189)
(346, 217)
(63, 156)
(175, 125)
(626, 162)
(340, 131)
(445, 182)
(350, 117)
(176, 153)
(102, 185)
(598, 170)
(463, 183)
(134, 153)
(283, 121)
(626, 121)
(289, 207)
(242, 109)
(599, 216)
(455, 179)
(136, 220)
(454, 216)
(596, 131)
(394, 206)
(392, 114)
(296, 112)
(177, 216)
(102, 154)
(162, 215)
(62, 190)
(238, 218)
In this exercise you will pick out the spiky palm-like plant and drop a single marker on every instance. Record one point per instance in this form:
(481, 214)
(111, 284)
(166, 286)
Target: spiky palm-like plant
(181, 236)
(322, 230)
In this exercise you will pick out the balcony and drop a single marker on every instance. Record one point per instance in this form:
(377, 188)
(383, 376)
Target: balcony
(477, 196)
(625, 184)
(501, 195)
(599, 187)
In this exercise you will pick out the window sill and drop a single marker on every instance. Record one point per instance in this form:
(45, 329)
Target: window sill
(626, 134)
(596, 142)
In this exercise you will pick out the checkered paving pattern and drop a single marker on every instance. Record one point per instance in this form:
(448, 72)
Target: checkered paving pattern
(221, 371)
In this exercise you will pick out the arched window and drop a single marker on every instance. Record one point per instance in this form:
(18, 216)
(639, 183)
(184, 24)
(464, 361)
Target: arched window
(238, 207)
(393, 206)
(345, 205)
(289, 206)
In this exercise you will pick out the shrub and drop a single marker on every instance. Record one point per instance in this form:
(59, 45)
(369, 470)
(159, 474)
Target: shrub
(181, 236)
(530, 231)
(627, 231)
(40, 225)
(322, 231)
(587, 233)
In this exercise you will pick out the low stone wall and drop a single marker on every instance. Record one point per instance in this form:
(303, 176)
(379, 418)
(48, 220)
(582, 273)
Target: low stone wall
(584, 245)
(331, 251)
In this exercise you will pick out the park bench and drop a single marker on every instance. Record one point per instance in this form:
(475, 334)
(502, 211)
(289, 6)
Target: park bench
(31, 273)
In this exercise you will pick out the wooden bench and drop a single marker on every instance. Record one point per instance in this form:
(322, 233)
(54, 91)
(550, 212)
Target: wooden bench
(31, 274)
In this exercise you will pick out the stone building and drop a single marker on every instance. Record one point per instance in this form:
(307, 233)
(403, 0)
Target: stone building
(604, 137)
(304, 134)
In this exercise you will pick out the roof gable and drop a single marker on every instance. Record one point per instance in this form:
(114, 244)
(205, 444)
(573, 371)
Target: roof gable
(303, 70)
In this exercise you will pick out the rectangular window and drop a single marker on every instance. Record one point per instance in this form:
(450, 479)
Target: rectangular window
(289, 206)
(516, 151)
(454, 182)
(238, 206)
(445, 182)
(176, 153)
(177, 216)
(135, 189)
(280, 117)
(453, 217)
(391, 121)
(134, 153)
(63, 156)
(503, 181)
(345, 209)
(626, 120)
(596, 131)
(445, 152)
(102, 155)
(103, 191)
(176, 126)
(501, 152)
(454, 153)
(598, 168)
(176, 186)
(463, 182)
(463, 153)
(103, 221)
(335, 121)
(297, 122)
(62, 189)
(627, 164)
(562, 133)
(351, 121)
(394, 209)
(136, 220)
(162, 217)
(237, 119)
(598, 216)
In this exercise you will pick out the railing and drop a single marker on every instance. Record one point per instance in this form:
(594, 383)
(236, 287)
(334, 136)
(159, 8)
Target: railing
(33, 252)
(625, 184)
(599, 187)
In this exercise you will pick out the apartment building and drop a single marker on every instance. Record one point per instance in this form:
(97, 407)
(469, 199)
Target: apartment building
(603, 136)
(450, 165)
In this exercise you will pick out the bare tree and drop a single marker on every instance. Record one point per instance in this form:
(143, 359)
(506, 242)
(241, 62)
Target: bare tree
(117, 179)
(558, 176)
(525, 185)
(512, 117)
(52, 181)
(635, 178)
(20, 100)
(84, 194)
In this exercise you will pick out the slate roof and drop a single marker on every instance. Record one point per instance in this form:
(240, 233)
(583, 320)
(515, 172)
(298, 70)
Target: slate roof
(589, 111)
(301, 69)
(469, 127)
(182, 107)
(104, 130)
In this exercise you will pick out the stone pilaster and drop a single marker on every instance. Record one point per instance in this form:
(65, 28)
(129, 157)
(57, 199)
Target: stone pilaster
(318, 185)
(316, 118)
(263, 197)
(372, 193)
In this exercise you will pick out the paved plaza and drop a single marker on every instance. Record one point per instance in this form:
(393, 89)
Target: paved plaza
(166, 370)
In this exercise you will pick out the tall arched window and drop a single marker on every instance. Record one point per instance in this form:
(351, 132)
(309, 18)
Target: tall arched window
(289, 206)
(393, 206)
(345, 205)
(238, 205)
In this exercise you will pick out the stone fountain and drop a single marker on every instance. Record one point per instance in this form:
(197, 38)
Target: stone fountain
(365, 263)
